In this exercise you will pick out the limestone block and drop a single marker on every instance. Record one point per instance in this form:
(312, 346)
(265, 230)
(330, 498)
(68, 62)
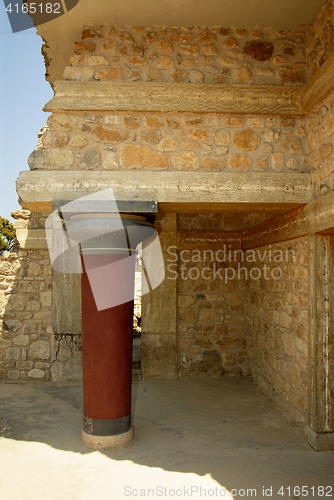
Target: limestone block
(259, 51)
(80, 73)
(110, 162)
(292, 145)
(142, 157)
(239, 162)
(214, 164)
(165, 62)
(199, 134)
(149, 74)
(186, 161)
(90, 159)
(294, 75)
(246, 140)
(50, 159)
(196, 76)
(39, 349)
(113, 73)
(36, 373)
(104, 134)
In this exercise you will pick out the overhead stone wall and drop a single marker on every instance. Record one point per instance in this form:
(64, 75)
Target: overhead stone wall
(277, 318)
(196, 55)
(320, 38)
(319, 127)
(169, 141)
(25, 315)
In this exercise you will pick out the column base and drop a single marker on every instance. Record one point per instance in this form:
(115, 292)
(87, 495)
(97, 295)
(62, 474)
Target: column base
(321, 442)
(112, 442)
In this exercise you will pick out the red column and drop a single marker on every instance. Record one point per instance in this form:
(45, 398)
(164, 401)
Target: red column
(107, 358)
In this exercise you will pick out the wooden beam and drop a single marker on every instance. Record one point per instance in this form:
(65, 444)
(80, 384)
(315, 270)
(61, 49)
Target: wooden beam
(167, 187)
(320, 83)
(165, 96)
(321, 342)
(315, 217)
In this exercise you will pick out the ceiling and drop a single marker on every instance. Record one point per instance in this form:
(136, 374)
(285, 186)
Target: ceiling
(61, 33)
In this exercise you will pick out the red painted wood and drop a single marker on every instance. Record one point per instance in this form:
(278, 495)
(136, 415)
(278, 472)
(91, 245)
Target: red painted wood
(106, 349)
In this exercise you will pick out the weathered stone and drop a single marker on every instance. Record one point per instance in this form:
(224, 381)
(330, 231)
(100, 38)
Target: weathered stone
(189, 49)
(150, 136)
(214, 164)
(136, 60)
(131, 74)
(277, 162)
(11, 325)
(97, 61)
(199, 134)
(164, 45)
(113, 73)
(79, 73)
(212, 70)
(21, 340)
(39, 349)
(36, 373)
(62, 121)
(230, 43)
(165, 62)
(270, 135)
(132, 122)
(74, 60)
(229, 343)
(242, 75)
(292, 164)
(246, 140)
(84, 47)
(29, 287)
(5, 343)
(174, 122)
(168, 144)
(292, 145)
(228, 61)
(150, 37)
(29, 328)
(180, 37)
(239, 162)
(13, 353)
(109, 135)
(188, 315)
(90, 159)
(110, 162)
(142, 157)
(150, 74)
(210, 50)
(46, 299)
(186, 161)
(20, 214)
(190, 62)
(234, 121)
(295, 74)
(78, 141)
(196, 76)
(52, 138)
(176, 75)
(279, 60)
(265, 72)
(123, 36)
(325, 151)
(152, 122)
(235, 53)
(13, 374)
(186, 300)
(259, 51)
(138, 48)
(90, 33)
(24, 365)
(108, 47)
(50, 159)
(207, 37)
(261, 163)
(16, 303)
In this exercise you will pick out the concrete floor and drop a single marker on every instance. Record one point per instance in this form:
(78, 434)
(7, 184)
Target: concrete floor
(192, 434)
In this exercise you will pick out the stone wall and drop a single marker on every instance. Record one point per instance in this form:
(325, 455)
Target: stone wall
(25, 315)
(320, 38)
(169, 141)
(277, 317)
(319, 127)
(196, 55)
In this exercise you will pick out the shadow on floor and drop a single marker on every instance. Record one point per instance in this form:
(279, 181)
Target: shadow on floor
(225, 428)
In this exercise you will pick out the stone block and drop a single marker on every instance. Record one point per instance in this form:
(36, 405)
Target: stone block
(36, 373)
(39, 349)
(142, 157)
